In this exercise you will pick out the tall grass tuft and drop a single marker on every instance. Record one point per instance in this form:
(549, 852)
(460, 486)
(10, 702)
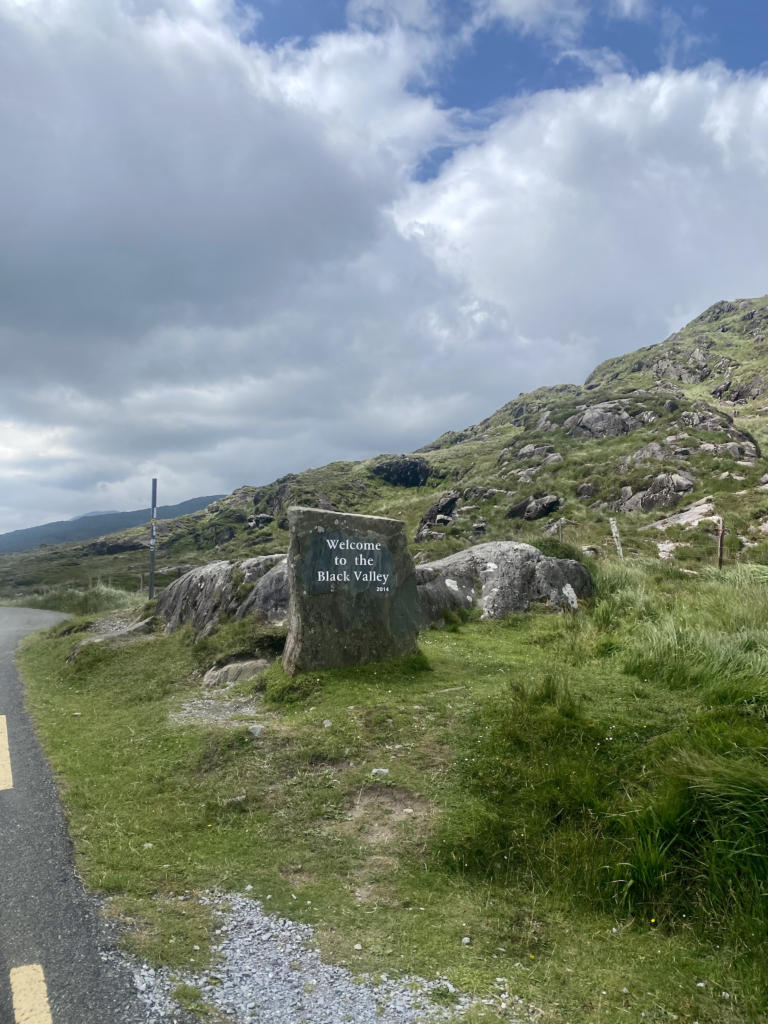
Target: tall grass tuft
(92, 601)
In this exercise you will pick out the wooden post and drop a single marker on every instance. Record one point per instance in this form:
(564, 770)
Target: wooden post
(720, 535)
(152, 542)
(616, 539)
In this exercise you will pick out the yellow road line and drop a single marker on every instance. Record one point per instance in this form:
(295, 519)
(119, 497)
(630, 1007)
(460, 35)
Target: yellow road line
(6, 778)
(30, 996)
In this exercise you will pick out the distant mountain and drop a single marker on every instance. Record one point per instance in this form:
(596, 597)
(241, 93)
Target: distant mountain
(104, 512)
(95, 524)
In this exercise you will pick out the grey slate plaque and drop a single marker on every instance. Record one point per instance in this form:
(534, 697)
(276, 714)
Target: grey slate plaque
(353, 590)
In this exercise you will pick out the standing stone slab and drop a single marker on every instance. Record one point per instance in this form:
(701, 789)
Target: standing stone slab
(353, 596)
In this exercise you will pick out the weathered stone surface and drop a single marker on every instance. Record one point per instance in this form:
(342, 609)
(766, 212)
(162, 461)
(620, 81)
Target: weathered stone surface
(534, 508)
(517, 511)
(445, 506)
(606, 419)
(498, 577)
(235, 671)
(543, 506)
(535, 451)
(202, 595)
(353, 597)
(651, 451)
(403, 471)
(665, 491)
(142, 628)
(258, 522)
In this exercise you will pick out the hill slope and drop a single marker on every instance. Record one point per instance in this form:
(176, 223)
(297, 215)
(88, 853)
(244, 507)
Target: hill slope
(647, 432)
(94, 524)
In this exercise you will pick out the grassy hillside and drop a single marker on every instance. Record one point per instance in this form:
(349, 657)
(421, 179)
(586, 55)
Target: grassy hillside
(716, 364)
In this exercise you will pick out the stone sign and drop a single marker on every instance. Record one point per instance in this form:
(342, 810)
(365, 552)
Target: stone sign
(353, 597)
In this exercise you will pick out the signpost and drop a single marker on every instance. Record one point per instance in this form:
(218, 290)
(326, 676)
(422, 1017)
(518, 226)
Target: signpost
(152, 541)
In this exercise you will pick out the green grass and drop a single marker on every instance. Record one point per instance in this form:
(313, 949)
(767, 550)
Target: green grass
(93, 600)
(593, 819)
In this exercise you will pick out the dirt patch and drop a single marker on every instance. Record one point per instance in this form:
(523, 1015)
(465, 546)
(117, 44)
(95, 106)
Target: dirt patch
(297, 876)
(394, 802)
(374, 813)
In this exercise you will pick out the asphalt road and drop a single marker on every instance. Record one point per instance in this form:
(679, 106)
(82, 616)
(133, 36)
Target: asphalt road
(51, 938)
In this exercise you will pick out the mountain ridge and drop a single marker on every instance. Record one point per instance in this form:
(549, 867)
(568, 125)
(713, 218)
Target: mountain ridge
(94, 524)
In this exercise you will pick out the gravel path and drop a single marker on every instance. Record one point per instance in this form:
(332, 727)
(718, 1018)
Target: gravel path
(268, 975)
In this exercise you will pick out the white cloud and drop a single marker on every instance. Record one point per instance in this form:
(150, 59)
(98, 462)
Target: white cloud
(610, 212)
(215, 266)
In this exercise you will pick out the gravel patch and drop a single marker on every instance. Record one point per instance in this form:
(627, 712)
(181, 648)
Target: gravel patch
(113, 623)
(226, 714)
(267, 974)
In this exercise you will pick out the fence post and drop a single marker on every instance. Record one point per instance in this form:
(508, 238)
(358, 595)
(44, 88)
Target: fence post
(152, 541)
(616, 539)
(720, 535)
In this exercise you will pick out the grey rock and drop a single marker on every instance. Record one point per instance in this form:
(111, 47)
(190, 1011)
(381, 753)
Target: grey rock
(258, 522)
(136, 629)
(535, 451)
(518, 510)
(651, 451)
(257, 730)
(551, 459)
(498, 577)
(235, 671)
(353, 597)
(200, 597)
(715, 311)
(403, 470)
(540, 507)
(606, 419)
(445, 506)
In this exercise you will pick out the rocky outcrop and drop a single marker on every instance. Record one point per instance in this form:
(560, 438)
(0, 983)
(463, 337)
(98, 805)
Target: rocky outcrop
(440, 514)
(142, 628)
(665, 492)
(606, 419)
(403, 471)
(236, 671)
(535, 508)
(255, 586)
(498, 577)
(535, 451)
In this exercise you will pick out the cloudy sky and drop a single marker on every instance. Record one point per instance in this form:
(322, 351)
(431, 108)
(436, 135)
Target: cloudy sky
(239, 239)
